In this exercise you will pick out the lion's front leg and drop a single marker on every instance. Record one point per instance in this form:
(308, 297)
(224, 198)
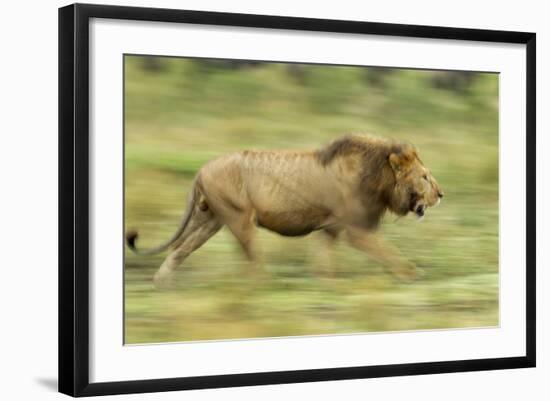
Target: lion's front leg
(376, 247)
(322, 253)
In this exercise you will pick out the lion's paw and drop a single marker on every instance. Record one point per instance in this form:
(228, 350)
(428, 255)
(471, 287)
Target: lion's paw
(409, 273)
(163, 281)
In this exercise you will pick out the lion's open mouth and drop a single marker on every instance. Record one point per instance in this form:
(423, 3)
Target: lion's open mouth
(420, 210)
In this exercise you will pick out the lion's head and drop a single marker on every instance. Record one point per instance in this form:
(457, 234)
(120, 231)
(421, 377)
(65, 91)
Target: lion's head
(392, 176)
(415, 187)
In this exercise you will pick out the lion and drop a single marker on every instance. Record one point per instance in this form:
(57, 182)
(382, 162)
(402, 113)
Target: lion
(345, 187)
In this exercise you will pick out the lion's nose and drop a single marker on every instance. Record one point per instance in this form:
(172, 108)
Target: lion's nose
(440, 194)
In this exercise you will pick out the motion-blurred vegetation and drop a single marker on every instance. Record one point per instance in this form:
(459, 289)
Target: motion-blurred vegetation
(180, 113)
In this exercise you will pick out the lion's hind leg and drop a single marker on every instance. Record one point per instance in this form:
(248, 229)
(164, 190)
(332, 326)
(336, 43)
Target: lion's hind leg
(201, 228)
(242, 225)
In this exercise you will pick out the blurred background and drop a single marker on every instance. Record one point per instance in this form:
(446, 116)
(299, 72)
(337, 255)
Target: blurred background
(180, 113)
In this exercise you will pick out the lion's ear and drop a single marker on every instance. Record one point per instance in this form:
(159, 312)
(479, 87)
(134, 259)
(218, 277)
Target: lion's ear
(396, 162)
(400, 161)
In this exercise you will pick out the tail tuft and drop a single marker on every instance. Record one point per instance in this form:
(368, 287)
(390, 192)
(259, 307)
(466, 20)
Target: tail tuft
(131, 237)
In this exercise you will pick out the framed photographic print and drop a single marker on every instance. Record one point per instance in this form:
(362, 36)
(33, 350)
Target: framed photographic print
(251, 199)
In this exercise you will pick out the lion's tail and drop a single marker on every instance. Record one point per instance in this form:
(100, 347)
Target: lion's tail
(132, 235)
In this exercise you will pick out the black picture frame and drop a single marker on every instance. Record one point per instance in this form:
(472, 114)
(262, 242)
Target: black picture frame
(74, 198)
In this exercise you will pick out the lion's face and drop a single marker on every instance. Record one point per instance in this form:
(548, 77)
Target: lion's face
(416, 188)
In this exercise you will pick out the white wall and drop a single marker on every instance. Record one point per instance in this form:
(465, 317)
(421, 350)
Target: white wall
(28, 195)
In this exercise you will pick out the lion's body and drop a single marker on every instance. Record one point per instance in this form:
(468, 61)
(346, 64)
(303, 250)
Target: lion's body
(347, 185)
(288, 193)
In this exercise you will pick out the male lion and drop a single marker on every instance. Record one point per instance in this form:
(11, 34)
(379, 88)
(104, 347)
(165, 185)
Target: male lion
(344, 187)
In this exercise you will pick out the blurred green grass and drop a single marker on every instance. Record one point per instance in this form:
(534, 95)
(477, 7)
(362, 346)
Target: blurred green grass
(183, 113)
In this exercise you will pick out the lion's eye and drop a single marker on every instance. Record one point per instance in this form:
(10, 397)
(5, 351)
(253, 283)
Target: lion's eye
(425, 177)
